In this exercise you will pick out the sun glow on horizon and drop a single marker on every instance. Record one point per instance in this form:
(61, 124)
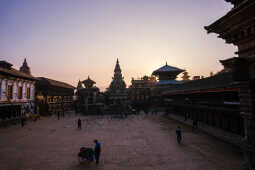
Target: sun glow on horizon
(68, 41)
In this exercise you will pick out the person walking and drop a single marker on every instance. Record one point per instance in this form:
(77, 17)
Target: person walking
(185, 116)
(58, 114)
(97, 150)
(179, 134)
(79, 123)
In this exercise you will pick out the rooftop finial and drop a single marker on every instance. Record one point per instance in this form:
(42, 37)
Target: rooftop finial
(166, 63)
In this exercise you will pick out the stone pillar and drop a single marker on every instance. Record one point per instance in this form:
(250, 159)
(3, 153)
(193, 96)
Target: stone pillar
(15, 90)
(24, 88)
(4, 90)
(245, 104)
(32, 97)
(94, 97)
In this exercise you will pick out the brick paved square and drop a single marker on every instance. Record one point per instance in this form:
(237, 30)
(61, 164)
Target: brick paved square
(136, 142)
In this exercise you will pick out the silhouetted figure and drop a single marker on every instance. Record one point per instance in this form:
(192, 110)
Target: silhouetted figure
(97, 151)
(185, 116)
(179, 134)
(22, 120)
(195, 124)
(63, 109)
(58, 115)
(79, 123)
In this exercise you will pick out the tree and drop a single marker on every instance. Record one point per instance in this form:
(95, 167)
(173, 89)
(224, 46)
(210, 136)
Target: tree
(185, 76)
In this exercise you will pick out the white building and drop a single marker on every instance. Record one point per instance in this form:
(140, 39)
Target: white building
(17, 89)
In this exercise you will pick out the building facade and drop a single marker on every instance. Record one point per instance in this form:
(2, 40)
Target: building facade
(237, 27)
(140, 89)
(213, 101)
(17, 91)
(52, 96)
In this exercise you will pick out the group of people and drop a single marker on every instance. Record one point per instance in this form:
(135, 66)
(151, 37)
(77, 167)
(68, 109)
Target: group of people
(26, 109)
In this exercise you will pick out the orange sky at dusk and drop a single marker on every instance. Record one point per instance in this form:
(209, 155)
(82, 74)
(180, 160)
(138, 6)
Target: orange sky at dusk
(68, 41)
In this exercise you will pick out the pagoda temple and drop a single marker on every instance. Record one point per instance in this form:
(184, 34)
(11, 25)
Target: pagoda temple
(237, 27)
(167, 75)
(117, 91)
(87, 97)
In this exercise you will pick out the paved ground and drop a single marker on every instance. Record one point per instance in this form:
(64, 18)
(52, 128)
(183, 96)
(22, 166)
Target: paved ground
(137, 142)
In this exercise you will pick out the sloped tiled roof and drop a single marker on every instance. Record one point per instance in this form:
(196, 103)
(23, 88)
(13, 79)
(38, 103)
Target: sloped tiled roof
(167, 68)
(221, 80)
(56, 83)
(16, 73)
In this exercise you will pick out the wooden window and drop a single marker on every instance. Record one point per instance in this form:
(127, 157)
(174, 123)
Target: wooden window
(9, 91)
(48, 99)
(20, 92)
(28, 93)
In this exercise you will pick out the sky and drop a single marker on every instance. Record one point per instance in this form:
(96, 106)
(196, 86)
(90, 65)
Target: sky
(68, 40)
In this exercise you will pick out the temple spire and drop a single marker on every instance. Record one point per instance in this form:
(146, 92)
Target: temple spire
(79, 86)
(117, 67)
(24, 68)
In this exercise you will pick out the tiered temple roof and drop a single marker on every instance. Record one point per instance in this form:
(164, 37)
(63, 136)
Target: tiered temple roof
(167, 69)
(167, 75)
(242, 16)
